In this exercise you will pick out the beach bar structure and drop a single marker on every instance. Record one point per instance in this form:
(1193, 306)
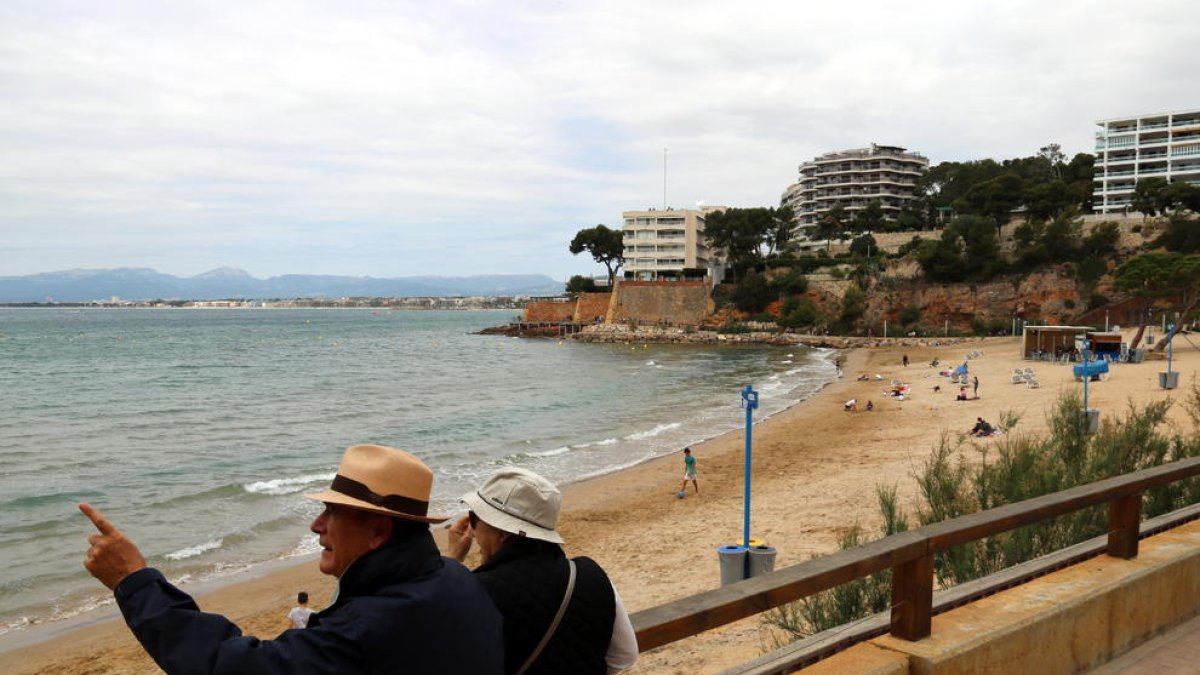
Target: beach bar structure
(1039, 341)
(1105, 343)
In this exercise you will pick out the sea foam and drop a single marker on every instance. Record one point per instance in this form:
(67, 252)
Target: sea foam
(286, 486)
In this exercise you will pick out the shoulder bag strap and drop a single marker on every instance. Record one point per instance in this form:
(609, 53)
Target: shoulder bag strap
(562, 609)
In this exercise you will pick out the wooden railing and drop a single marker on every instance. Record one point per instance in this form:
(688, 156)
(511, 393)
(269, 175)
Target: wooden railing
(910, 557)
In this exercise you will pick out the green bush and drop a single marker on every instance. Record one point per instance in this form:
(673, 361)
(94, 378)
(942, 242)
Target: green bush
(910, 315)
(752, 294)
(1015, 468)
(799, 312)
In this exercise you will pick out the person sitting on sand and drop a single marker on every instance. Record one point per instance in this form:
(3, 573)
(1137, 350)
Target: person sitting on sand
(851, 405)
(981, 428)
(962, 395)
(400, 607)
(864, 377)
(870, 406)
(513, 518)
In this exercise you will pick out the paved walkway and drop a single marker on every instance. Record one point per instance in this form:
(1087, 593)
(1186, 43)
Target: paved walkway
(1176, 651)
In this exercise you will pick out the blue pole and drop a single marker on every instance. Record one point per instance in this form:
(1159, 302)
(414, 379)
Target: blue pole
(1086, 377)
(1170, 345)
(750, 402)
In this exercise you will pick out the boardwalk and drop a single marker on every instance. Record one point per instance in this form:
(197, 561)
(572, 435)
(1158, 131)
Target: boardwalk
(1175, 652)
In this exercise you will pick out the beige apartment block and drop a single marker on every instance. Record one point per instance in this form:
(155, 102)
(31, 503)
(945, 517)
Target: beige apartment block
(853, 179)
(669, 244)
(1128, 149)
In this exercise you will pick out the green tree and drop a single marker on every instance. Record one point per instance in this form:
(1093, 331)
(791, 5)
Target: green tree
(581, 284)
(1102, 240)
(864, 245)
(1182, 234)
(741, 235)
(1149, 196)
(752, 294)
(996, 198)
(606, 246)
(854, 303)
(783, 223)
(832, 225)
(1147, 277)
(870, 218)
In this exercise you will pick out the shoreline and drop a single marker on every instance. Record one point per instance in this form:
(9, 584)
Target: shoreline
(816, 468)
(18, 640)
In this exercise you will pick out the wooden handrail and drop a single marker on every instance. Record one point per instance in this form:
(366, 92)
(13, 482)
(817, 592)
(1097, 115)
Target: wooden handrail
(910, 557)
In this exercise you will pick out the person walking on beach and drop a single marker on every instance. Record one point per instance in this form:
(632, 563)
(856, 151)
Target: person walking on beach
(975, 383)
(300, 613)
(399, 606)
(904, 360)
(560, 615)
(689, 471)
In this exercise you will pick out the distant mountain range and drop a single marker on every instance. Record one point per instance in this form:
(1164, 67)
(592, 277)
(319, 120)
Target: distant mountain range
(84, 285)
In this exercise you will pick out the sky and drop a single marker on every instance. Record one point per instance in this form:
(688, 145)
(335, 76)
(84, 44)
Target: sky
(390, 139)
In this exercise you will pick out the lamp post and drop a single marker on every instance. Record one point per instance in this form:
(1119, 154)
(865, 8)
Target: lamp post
(749, 402)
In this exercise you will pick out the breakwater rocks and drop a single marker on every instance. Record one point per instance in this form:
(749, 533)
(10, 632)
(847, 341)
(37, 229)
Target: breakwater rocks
(620, 334)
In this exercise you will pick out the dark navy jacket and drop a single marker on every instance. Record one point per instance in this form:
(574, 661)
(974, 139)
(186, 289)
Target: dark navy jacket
(402, 608)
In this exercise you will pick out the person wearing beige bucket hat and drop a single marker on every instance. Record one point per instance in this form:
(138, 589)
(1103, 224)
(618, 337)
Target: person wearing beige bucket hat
(399, 605)
(560, 615)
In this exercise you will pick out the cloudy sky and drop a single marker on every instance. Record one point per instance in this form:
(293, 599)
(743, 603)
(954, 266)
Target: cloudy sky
(442, 137)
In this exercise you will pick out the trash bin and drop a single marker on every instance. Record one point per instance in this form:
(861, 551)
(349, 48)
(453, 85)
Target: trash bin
(762, 559)
(733, 563)
(1091, 421)
(1169, 379)
(1137, 355)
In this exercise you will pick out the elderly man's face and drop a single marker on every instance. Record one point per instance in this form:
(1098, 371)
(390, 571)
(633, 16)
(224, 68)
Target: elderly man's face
(346, 533)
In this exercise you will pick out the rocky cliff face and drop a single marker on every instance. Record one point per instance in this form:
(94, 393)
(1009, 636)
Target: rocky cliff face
(1050, 297)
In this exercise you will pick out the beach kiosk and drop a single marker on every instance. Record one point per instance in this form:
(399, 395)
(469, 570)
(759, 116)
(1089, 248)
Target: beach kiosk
(1049, 343)
(1106, 345)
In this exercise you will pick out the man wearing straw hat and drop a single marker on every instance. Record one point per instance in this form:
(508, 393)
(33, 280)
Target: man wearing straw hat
(399, 606)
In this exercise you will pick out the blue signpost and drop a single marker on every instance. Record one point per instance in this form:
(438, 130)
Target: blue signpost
(749, 402)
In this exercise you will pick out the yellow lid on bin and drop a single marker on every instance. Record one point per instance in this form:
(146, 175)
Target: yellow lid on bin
(753, 542)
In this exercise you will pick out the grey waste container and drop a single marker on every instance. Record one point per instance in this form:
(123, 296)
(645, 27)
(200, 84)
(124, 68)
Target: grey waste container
(733, 563)
(1137, 355)
(1169, 379)
(1091, 421)
(762, 560)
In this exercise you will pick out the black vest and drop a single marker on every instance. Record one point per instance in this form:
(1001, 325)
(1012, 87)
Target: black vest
(527, 579)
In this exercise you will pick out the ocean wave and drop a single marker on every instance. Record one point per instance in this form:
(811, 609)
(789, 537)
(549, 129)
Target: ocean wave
(551, 453)
(643, 435)
(193, 551)
(286, 486)
(607, 441)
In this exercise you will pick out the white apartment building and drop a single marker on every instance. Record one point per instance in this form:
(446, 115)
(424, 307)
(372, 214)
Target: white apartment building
(664, 243)
(1165, 145)
(853, 179)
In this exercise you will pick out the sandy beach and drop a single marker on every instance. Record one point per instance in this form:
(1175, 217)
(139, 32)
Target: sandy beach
(816, 468)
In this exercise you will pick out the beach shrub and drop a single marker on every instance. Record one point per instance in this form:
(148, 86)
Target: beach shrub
(1017, 467)
(910, 315)
(799, 312)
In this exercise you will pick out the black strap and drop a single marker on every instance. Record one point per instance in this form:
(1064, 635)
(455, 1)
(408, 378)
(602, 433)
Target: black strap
(562, 609)
(398, 503)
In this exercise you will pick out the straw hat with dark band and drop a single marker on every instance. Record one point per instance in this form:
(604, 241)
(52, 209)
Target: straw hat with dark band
(383, 480)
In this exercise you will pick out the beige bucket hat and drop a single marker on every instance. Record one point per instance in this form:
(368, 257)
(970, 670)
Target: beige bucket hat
(518, 501)
(383, 480)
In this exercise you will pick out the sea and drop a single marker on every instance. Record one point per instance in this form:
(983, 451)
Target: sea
(197, 431)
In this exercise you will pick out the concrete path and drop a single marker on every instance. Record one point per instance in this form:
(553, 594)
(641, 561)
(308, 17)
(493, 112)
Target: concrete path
(1176, 651)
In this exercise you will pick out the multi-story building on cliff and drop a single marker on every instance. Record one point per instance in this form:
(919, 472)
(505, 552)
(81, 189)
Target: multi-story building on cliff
(853, 179)
(1165, 145)
(669, 243)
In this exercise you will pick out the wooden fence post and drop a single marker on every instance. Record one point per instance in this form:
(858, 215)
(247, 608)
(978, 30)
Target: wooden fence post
(912, 598)
(1124, 516)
